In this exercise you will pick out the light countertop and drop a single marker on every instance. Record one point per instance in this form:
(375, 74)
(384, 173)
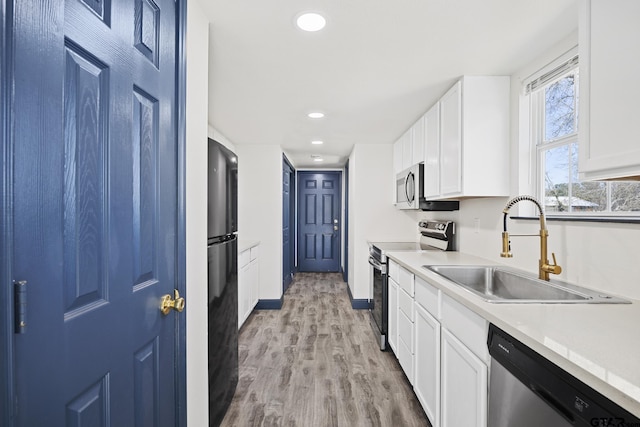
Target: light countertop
(597, 343)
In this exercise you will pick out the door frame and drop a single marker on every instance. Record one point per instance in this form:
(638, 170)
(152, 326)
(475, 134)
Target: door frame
(345, 224)
(6, 330)
(7, 379)
(181, 238)
(292, 221)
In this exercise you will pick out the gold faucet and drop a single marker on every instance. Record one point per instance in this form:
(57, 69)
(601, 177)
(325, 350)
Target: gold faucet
(544, 268)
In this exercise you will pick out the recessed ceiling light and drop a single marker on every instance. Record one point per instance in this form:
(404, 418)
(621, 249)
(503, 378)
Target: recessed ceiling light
(315, 115)
(311, 21)
(318, 159)
(317, 142)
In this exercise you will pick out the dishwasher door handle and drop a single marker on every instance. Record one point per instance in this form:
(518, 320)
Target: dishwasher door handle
(562, 410)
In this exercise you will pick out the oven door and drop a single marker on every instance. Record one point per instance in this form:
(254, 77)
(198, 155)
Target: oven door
(379, 304)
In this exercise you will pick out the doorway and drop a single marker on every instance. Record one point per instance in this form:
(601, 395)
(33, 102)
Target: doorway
(288, 223)
(319, 214)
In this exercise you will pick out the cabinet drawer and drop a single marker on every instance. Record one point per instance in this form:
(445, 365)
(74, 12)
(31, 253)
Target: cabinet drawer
(405, 357)
(244, 258)
(405, 330)
(255, 251)
(428, 296)
(405, 302)
(406, 281)
(394, 270)
(467, 326)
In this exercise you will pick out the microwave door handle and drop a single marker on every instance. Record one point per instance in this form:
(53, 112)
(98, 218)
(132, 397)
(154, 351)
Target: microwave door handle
(406, 187)
(411, 198)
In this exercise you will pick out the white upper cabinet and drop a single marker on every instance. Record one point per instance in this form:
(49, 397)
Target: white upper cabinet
(432, 152)
(417, 146)
(408, 150)
(403, 152)
(451, 142)
(467, 140)
(397, 158)
(609, 90)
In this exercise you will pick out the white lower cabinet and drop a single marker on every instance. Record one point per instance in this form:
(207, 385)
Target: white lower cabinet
(248, 283)
(426, 383)
(405, 333)
(441, 347)
(464, 372)
(464, 385)
(392, 325)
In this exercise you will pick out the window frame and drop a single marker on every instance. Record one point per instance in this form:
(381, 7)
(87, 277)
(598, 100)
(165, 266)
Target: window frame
(532, 131)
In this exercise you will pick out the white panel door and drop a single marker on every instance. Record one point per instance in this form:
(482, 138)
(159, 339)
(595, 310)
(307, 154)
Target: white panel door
(451, 141)
(427, 363)
(464, 385)
(432, 152)
(392, 333)
(609, 93)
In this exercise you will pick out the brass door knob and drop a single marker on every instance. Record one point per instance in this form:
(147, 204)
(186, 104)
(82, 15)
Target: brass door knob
(167, 303)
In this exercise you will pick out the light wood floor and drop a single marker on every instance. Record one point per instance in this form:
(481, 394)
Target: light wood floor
(315, 362)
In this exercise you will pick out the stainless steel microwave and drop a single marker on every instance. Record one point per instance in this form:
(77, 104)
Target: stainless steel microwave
(410, 187)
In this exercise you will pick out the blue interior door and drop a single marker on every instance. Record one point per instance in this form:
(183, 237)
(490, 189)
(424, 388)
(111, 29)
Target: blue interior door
(94, 211)
(287, 225)
(319, 221)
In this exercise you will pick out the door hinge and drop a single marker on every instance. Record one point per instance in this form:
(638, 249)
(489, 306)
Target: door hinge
(20, 306)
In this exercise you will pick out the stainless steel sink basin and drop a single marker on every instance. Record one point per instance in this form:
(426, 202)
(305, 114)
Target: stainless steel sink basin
(498, 284)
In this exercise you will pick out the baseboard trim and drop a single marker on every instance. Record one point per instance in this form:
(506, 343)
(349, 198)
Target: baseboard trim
(270, 304)
(358, 304)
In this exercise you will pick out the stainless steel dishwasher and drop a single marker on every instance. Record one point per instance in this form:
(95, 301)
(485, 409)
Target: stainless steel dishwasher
(527, 390)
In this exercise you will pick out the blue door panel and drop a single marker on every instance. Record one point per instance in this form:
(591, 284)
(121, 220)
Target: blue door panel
(91, 407)
(319, 228)
(95, 208)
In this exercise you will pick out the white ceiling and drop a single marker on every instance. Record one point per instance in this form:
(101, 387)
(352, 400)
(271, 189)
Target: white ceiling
(376, 67)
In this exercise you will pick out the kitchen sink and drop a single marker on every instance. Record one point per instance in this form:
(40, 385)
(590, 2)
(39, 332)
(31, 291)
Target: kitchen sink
(498, 284)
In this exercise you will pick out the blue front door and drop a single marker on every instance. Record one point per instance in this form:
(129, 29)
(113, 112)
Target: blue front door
(94, 217)
(319, 211)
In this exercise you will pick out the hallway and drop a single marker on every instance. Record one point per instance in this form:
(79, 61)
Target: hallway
(315, 362)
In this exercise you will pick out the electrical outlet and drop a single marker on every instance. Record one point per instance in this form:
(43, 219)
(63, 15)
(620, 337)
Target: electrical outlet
(476, 225)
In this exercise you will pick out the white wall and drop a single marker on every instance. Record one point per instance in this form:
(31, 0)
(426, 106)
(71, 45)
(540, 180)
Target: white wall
(216, 135)
(197, 50)
(260, 210)
(372, 216)
(601, 256)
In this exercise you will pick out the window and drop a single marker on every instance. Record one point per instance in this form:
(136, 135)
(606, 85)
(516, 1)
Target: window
(554, 99)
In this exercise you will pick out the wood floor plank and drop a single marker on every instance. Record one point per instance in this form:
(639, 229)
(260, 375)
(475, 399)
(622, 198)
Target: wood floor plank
(316, 362)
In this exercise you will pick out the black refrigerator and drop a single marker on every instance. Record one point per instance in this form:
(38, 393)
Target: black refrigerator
(222, 254)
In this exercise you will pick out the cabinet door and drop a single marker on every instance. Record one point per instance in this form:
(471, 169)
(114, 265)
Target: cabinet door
(609, 93)
(254, 284)
(405, 356)
(451, 141)
(392, 333)
(417, 151)
(427, 363)
(397, 160)
(244, 293)
(432, 152)
(407, 149)
(464, 385)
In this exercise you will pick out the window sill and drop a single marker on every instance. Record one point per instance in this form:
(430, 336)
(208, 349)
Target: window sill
(569, 218)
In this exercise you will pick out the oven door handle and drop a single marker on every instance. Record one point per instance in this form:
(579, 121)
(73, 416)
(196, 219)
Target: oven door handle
(378, 265)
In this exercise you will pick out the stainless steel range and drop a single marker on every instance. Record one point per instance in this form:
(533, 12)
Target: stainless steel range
(434, 235)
